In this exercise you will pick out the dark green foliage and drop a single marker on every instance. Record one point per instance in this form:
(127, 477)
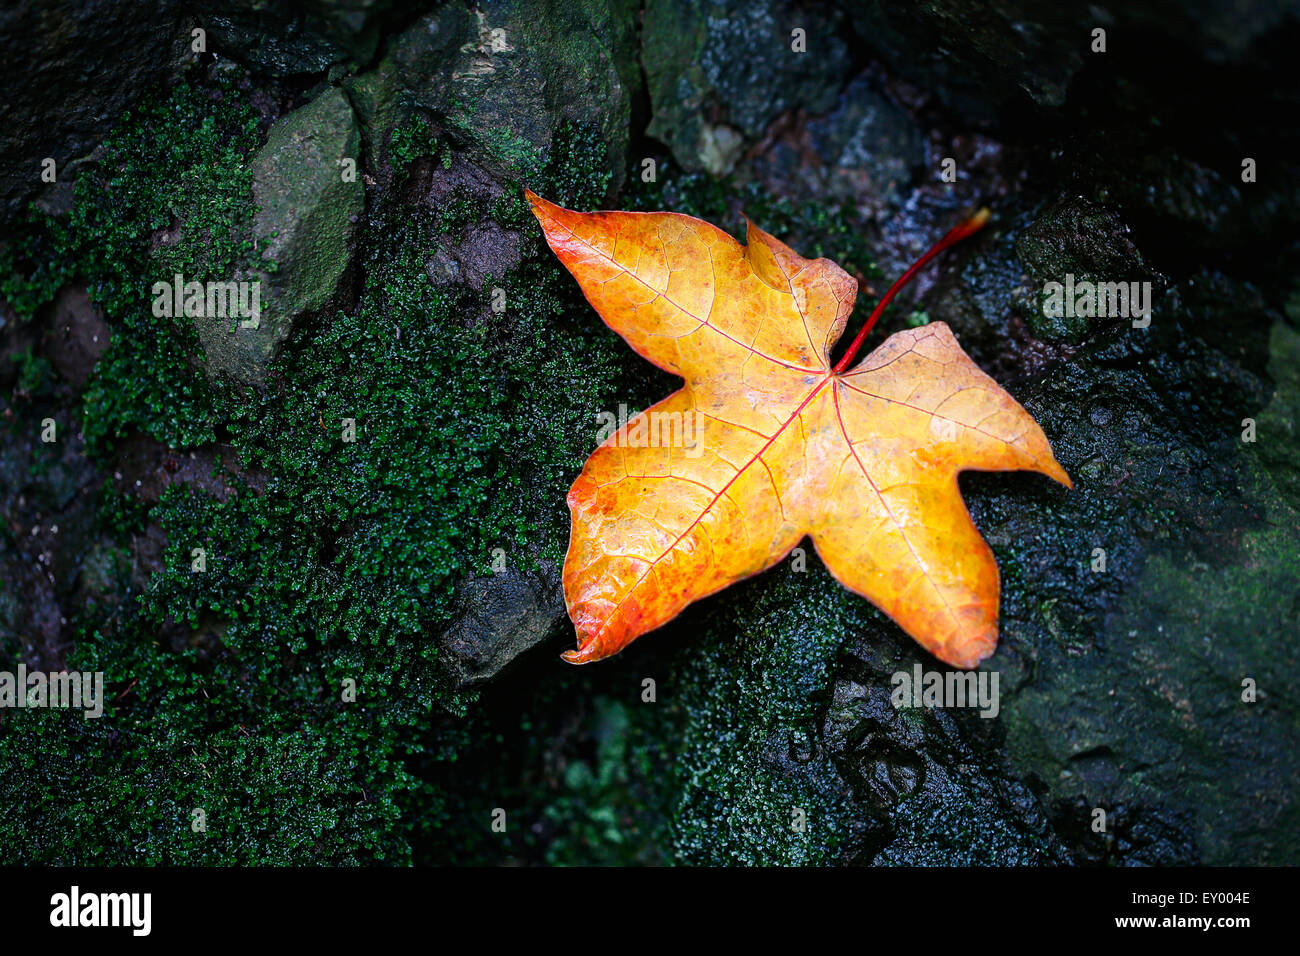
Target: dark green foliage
(410, 141)
(34, 373)
(171, 194)
(581, 764)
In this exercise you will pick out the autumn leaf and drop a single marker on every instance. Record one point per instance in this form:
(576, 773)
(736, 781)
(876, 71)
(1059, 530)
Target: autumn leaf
(864, 461)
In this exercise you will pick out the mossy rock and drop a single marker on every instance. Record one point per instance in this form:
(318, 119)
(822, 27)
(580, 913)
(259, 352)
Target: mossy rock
(501, 79)
(309, 195)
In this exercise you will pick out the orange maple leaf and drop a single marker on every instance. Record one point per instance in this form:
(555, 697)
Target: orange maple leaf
(864, 461)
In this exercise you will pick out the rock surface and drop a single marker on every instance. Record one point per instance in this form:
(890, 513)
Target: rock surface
(499, 619)
(501, 78)
(289, 38)
(67, 82)
(719, 74)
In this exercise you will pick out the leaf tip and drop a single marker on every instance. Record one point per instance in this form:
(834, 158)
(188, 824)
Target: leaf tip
(580, 655)
(540, 206)
(1057, 473)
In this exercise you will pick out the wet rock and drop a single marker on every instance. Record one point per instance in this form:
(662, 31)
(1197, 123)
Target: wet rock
(865, 151)
(1075, 235)
(718, 74)
(145, 469)
(484, 250)
(1078, 238)
(1128, 835)
(1195, 528)
(306, 214)
(988, 52)
(47, 501)
(1139, 599)
(1186, 195)
(289, 38)
(76, 335)
(928, 779)
(986, 57)
(67, 81)
(500, 618)
(443, 268)
(377, 99)
(500, 79)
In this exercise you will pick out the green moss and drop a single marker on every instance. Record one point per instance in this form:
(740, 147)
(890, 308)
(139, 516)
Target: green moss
(34, 265)
(337, 562)
(35, 375)
(410, 141)
(749, 767)
(172, 193)
(587, 813)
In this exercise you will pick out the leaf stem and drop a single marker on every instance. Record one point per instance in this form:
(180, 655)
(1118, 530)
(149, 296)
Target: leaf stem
(955, 235)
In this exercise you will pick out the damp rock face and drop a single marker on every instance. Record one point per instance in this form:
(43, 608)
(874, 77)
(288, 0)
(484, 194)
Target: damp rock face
(993, 54)
(289, 39)
(718, 74)
(1172, 619)
(1084, 242)
(1138, 598)
(500, 79)
(926, 781)
(865, 151)
(471, 257)
(68, 81)
(77, 336)
(308, 202)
